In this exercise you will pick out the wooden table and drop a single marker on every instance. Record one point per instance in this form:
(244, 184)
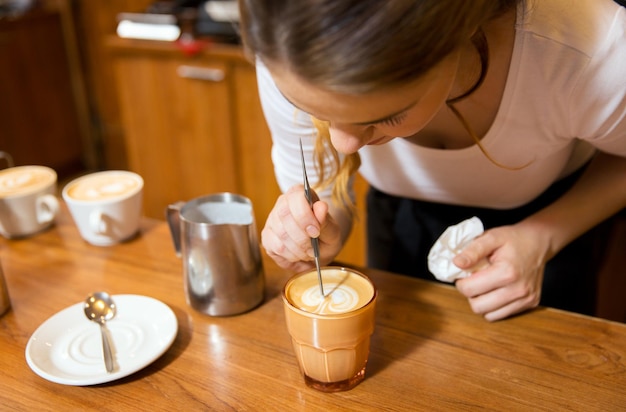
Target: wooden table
(429, 351)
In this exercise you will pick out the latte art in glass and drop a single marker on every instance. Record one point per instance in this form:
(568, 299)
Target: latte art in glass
(345, 291)
(340, 299)
(330, 334)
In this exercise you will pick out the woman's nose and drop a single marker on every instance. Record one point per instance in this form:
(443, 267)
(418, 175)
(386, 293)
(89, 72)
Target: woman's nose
(348, 138)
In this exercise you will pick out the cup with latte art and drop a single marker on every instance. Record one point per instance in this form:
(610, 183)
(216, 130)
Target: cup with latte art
(106, 206)
(330, 334)
(28, 203)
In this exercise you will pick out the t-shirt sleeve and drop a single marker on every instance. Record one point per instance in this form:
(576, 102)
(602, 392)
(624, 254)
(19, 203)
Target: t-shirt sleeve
(598, 104)
(288, 126)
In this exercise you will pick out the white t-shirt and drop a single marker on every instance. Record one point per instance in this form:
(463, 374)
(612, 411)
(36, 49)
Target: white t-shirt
(565, 95)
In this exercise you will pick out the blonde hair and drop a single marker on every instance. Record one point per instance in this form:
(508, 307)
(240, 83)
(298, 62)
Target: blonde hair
(340, 172)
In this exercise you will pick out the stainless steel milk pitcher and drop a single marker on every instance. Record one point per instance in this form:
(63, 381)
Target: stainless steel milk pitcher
(216, 238)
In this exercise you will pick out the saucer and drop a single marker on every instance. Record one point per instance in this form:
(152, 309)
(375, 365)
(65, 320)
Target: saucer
(67, 348)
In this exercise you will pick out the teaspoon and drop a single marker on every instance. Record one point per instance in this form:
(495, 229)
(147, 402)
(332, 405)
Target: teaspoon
(100, 307)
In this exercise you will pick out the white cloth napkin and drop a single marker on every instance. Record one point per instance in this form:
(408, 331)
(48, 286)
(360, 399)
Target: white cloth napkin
(450, 244)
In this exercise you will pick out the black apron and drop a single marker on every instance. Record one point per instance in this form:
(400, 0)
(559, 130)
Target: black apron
(401, 232)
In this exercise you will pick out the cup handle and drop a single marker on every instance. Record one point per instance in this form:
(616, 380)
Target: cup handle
(173, 219)
(47, 208)
(98, 222)
(7, 158)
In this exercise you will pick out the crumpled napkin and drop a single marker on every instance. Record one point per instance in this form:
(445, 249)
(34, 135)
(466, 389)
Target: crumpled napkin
(450, 244)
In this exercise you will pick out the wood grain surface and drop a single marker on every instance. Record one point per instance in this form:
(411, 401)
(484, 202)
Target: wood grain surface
(429, 351)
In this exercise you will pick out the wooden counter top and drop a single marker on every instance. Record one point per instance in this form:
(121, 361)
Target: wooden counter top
(429, 351)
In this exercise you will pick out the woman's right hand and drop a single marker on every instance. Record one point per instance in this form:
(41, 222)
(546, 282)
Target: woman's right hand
(290, 226)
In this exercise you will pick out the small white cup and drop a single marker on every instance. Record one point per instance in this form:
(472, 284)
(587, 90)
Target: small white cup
(106, 206)
(27, 200)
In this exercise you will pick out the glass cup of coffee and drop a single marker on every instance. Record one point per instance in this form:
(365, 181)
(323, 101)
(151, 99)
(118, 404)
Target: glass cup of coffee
(330, 334)
(106, 206)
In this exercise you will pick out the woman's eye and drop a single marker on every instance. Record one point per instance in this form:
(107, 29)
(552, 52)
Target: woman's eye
(394, 121)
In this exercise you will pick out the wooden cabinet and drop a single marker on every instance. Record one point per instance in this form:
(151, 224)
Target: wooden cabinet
(178, 124)
(96, 21)
(194, 126)
(39, 116)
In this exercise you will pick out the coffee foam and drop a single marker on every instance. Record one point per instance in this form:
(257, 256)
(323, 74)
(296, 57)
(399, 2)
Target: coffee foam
(345, 291)
(103, 186)
(24, 179)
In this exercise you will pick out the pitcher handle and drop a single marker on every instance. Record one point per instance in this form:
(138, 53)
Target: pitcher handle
(173, 219)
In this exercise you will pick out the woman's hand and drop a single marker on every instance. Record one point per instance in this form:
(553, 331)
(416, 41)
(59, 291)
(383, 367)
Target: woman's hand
(517, 254)
(290, 226)
(511, 283)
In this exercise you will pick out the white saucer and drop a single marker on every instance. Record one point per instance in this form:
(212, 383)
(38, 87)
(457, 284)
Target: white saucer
(67, 348)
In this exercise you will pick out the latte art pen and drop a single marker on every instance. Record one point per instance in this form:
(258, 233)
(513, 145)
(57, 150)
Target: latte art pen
(314, 241)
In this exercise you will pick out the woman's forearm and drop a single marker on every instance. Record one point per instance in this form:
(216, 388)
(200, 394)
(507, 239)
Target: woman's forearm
(598, 194)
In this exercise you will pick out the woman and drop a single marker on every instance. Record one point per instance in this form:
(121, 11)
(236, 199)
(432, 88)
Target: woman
(512, 111)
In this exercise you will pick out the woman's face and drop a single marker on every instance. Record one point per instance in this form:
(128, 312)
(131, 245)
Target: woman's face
(372, 118)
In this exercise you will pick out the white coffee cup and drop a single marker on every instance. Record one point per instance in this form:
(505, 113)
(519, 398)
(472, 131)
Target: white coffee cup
(27, 200)
(106, 206)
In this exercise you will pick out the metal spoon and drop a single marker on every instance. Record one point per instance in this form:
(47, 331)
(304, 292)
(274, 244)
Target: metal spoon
(100, 307)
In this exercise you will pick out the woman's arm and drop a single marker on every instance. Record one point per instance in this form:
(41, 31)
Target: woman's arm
(598, 194)
(518, 253)
(291, 223)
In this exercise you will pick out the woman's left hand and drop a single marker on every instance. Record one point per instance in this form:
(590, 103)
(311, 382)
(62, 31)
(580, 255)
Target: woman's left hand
(511, 283)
